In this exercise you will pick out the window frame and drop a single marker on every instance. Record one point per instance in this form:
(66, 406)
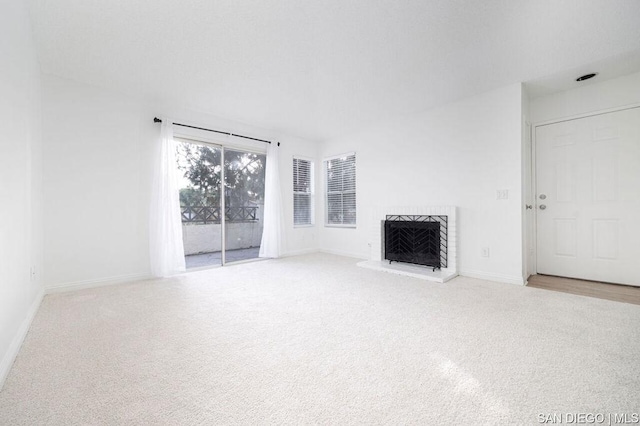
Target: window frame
(325, 163)
(310, 194)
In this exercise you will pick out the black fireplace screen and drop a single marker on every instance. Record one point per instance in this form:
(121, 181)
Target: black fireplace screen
(416, 239)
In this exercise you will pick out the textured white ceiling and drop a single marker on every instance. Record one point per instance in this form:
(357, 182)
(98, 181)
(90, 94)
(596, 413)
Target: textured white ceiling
(321, 68)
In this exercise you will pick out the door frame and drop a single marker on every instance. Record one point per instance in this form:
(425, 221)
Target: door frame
(534, 170)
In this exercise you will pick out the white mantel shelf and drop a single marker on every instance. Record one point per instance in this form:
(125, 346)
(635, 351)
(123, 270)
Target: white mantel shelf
(409, 270)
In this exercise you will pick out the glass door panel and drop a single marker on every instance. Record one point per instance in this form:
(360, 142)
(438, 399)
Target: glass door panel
(200, 202)
(244, 203)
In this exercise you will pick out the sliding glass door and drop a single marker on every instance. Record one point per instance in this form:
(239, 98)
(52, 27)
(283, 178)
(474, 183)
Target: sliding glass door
(200, 202)
(244, 204)
(210, 237)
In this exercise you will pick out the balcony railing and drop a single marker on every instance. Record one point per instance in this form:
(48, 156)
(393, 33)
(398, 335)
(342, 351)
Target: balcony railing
(207, 214)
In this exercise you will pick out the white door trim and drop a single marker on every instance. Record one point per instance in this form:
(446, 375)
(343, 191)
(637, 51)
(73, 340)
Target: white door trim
(587, 114)
(534, 169)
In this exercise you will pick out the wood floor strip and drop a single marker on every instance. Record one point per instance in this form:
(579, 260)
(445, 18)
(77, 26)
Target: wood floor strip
(616, 292)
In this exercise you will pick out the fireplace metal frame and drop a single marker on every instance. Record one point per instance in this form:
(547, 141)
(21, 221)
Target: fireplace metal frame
(443, 222)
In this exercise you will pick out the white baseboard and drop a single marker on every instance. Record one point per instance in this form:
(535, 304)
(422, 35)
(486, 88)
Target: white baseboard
(16, 343)
(344, 253)
(80, 285)
(300, 252)
(501, 278)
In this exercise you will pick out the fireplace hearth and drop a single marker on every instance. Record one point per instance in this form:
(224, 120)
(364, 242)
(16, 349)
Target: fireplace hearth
(416, 239)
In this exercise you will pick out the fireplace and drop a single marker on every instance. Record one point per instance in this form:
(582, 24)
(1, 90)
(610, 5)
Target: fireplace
(446, 216)
(417, 239)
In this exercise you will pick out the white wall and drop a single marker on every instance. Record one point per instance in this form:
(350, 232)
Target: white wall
(97, 180)
(595, 97)
(459, 154)
(20, 181)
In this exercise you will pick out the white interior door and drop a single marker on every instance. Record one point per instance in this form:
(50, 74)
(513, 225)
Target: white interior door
(588, 198)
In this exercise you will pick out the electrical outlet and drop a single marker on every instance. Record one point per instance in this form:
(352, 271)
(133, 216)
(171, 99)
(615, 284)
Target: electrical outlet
(502, 194)
(485, 251)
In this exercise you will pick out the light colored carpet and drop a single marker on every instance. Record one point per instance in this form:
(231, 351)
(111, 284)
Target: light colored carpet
(316, 340)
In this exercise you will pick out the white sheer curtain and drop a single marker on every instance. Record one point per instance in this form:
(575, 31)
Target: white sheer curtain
(166, 248)
(272, 231)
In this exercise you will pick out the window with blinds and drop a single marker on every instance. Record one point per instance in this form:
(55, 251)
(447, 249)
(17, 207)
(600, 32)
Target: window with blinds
(302, 192)
(340, 175)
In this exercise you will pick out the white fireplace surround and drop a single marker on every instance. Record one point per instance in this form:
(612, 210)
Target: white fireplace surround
(376, 260)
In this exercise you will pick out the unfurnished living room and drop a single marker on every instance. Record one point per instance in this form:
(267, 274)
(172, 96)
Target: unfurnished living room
(320, 212)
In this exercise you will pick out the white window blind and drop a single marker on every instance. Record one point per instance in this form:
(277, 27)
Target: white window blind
(302, 192)
(340, 174)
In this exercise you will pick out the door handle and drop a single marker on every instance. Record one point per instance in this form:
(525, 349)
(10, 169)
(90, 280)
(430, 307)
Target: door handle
(542, 207)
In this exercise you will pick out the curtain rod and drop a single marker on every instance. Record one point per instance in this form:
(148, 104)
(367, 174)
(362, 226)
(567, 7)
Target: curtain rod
(157, 120)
